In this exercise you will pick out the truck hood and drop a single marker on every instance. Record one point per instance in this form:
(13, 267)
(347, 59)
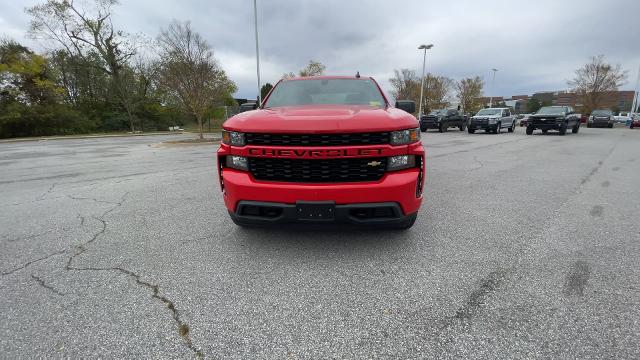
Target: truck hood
(486, 117)
(321, 119)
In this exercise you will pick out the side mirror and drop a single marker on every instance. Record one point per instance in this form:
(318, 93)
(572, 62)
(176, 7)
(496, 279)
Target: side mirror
(406, 105)
(248, 106)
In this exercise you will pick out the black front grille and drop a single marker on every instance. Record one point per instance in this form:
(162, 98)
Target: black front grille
(320, 171)
(480, 121)
(317, 139)
(429, 119)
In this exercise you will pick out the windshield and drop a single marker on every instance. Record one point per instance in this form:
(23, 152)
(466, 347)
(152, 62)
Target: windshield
(489, 112)
(326, 92)
(551, 110)
(602, 112)
(438, 112)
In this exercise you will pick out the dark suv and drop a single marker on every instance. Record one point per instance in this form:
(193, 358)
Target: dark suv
(560, 118)
(443, 119)
(601, 118)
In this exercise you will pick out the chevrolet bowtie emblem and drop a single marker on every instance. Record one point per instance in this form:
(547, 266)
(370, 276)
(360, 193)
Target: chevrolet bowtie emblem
(374, 163)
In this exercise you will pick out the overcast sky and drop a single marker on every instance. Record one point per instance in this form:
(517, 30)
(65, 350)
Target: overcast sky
(536, 45)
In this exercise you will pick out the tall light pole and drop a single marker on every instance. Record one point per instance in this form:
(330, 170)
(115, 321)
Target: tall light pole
(636, 96)
(424, 61)
(255, 24)
(492, 87)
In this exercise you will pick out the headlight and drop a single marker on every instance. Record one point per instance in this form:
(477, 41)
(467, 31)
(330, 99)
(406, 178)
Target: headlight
(232, 138)
(590, 118)
(404, 137)
(237, 162)
(492, 121)
(401, 162)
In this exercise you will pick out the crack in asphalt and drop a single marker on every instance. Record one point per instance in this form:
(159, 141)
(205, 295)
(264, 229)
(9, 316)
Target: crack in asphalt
(41, 282)
(183, 327)
(29, 263)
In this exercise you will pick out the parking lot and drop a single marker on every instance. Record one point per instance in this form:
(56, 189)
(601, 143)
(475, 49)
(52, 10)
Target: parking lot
(525, 247)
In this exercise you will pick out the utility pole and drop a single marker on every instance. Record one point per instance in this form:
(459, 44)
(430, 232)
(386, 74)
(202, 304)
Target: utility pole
(255, 24)
(636, 97)
(424, 61)
(493, 82)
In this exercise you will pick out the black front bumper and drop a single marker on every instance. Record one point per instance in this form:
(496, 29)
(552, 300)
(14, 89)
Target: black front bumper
(425, 125)
(546, 126)
(482, 125)
(600, 124)
(271, 213)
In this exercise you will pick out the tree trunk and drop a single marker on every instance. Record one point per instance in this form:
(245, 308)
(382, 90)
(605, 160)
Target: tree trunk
(130, 115)
(199, 117)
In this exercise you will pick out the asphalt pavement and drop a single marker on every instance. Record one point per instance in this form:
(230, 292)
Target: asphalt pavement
(525, 247)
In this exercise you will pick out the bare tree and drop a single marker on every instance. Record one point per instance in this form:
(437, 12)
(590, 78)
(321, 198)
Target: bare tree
(82, 32)
(468, 92)
(313, 68)
(437, 89)
(594, 79)
(189, 73)
(405, 85)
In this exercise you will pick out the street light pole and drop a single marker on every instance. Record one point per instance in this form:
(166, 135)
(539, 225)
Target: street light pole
(424, 61)
(255, 24)
(636, 96)
(492, 87)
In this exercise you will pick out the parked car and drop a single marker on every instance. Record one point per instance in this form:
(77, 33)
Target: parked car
(524, 119)
(560, 118)
(622, 118)
(443, 119)
(601, 118)
(635, 122)
(492, 119)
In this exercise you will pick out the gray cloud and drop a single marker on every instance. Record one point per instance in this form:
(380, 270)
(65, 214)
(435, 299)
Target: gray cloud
(535, 45)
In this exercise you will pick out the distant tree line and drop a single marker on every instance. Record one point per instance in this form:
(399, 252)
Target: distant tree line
(96, 78)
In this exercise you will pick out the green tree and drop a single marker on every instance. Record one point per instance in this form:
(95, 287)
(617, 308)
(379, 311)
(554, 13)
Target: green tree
(469, 92)
(533, 105)
(189, 73)
(264, 90)
(83, 31)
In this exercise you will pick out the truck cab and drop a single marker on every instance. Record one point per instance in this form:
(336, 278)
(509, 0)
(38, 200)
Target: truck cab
(443, 119)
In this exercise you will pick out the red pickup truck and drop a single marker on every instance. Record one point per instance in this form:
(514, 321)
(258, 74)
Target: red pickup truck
(320, 150)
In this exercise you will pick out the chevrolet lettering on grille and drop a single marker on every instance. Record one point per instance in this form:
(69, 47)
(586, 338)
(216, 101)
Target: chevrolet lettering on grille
(315, 153)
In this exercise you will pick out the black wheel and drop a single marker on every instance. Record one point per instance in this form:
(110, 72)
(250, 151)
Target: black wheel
(610, 126)
(575, 129)
(407, 223)
(423, 128)
(497, 129)
(471, 131)
(529, 130)
(512, 128)
(463, 126)
(442, 127)
(563, 130)
(545, 131)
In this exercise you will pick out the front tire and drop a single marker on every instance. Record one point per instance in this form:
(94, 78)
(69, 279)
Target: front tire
(563, 130)
(472, 131)
(497, 129)
(610, 126)
(529, 130)
(463, 126)
(512, 128)
(442, 127)
(575, 129)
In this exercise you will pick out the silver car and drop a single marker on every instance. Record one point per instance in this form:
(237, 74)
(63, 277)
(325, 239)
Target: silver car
(492, 120)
